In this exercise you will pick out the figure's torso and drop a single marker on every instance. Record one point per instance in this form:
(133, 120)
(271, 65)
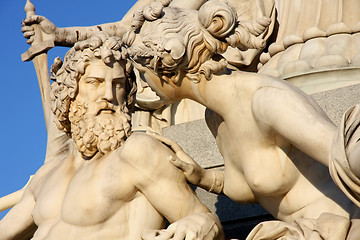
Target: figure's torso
(93, 199)
(287, 182)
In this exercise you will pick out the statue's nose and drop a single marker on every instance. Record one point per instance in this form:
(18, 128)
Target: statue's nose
(108, 94)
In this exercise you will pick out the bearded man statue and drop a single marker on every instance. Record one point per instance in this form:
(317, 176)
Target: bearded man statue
(115, 184)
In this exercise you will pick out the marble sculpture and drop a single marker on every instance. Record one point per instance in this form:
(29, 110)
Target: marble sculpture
(280, 149)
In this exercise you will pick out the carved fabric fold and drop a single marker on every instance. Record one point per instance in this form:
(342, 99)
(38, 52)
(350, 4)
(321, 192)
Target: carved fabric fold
(327, 227)
(347, 136)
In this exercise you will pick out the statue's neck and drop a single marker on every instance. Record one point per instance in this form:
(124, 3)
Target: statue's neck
(212, 93)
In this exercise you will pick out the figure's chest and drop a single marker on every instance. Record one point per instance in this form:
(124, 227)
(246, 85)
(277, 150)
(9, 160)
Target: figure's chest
(97, 192)
(90, 195)
(49, 193)
(263, 161)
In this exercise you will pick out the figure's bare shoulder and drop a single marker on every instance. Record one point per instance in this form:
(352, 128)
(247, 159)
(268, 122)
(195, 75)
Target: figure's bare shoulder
(275, 98)
(147, 157)
(137, 138)
(142, 149)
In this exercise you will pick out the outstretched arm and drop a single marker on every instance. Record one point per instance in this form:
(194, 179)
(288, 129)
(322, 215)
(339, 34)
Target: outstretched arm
(18, 222)
(68, 36)
(167, 190)
(210, 180)
(193, 227)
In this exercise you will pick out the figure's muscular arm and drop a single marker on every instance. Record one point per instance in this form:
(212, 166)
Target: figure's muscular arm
(18, 223)
(162, 183)
(211, 180)
(68, 36)
(295, 116)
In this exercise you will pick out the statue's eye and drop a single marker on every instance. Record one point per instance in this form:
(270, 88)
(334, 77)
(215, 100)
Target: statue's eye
(118, 82)
(118, 86)
(93, 81)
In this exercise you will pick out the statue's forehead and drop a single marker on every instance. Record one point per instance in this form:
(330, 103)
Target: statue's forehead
(99, 69)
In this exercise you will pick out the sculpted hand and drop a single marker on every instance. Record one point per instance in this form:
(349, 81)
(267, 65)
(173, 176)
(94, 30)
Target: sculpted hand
(193, 172)
(47, 28)
(259, 26)
(247, 34)
(201, 226)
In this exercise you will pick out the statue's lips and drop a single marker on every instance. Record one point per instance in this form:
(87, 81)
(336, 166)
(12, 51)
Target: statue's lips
(106, 111)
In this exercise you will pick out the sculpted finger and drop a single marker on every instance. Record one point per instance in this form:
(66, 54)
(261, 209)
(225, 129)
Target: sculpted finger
(264, 22)
(183, 166)
(35, 19)
(212, 233)
(150, 234)
(159, 137)
(191, 236)
(169, 232)
(38, 18)
(173, 145)
(166, 234)
(30, 40)
(138, 66)
(28, 34)
(29, 21)
(27, 29)
(180, 235)
(260, 26)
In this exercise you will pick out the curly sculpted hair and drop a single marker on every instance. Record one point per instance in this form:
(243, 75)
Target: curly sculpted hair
(67, 74)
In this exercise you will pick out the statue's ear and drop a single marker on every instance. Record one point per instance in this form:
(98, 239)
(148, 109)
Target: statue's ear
(218, 17)
(174, 51)
(175, 47)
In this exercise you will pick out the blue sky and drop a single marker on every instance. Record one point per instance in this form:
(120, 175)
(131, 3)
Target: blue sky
(23, 133)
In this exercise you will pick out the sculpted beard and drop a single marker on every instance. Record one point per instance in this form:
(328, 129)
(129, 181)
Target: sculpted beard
(93, 132)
